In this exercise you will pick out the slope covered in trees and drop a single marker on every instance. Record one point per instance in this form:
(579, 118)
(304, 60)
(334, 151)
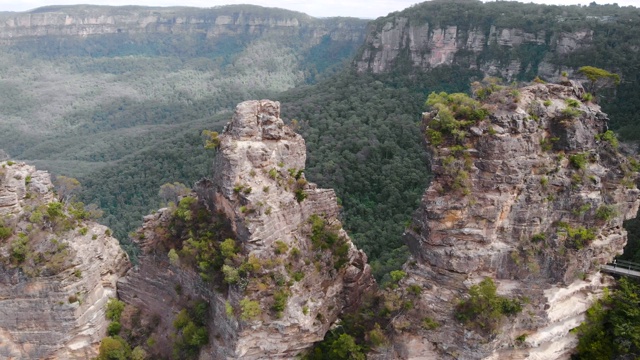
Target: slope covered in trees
(363, 138)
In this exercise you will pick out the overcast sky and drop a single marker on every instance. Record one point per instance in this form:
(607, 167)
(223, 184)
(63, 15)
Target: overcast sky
(319, 8)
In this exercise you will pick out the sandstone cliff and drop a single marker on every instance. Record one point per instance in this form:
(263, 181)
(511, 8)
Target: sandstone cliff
(498, 42)
(278, 268)
(532, 196)
(57, 271)
(83, 21)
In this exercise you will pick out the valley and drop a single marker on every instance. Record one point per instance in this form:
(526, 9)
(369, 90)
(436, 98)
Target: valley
(119, 97)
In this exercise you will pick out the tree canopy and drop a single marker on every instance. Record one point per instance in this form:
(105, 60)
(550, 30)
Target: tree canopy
(599, 78)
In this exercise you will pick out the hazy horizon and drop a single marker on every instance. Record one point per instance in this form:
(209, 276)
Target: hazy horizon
(368, 9)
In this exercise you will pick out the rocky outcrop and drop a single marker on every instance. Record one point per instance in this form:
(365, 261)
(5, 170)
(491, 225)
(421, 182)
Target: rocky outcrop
(55, 278)
(305, 269)
(83, 21)
(532, 198)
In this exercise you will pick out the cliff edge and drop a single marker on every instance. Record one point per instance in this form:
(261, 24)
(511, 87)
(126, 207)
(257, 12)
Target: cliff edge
(57, 270)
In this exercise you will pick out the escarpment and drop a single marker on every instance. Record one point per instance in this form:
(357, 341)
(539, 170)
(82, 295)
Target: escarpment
(401, 40)
(85, 20)
(527, 201)
(512, 41)
(257, 244)
(57, 270)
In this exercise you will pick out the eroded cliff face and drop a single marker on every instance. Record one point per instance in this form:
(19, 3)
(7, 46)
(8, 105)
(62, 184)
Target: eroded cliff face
(56, 272)
(493, 51)
(297, 269)
(83, 21)
(532, 199)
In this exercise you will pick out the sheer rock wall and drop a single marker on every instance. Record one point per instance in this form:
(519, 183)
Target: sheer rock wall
(430, 46)
(52, 316)
(83, 21)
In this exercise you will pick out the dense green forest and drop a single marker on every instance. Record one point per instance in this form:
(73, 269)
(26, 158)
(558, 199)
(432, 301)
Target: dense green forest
(363, 139)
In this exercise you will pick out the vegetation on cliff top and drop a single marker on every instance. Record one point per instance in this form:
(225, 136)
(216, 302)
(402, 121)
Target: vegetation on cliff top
(36, 239)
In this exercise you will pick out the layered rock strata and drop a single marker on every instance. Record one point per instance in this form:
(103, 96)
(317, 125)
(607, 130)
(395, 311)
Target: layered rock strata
(538, 206)
(83, 21)
(426, 46)
(54, 283)
(259, 191)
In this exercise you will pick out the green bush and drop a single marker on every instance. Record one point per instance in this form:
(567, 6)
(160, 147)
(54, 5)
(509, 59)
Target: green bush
(608, 136)
(376, 336)
(538, 237)
(281, 247)
(55, 210)
(578, 161)
(138, 353)
(228, 309)
(326, 237)
(435, 137)
(297, 276)
(572, 102)
(337, 347)
(606, 212)
(576, 238)
(611, 329)
(114, 348)
(280, 302)
(174, 258)
(430, 324)
(250, 309)
(228, 248)
(183, 211)
(582, 209)
(587, 97)
(544, 181)
(5, 232)
(300, 195)
(414, 289)
(570, 113)
(456, 112)
(114, 328)
(484, 308)
(231, 274)
(397, 275)
(191, 331)
(114, 309)
(19, 250)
